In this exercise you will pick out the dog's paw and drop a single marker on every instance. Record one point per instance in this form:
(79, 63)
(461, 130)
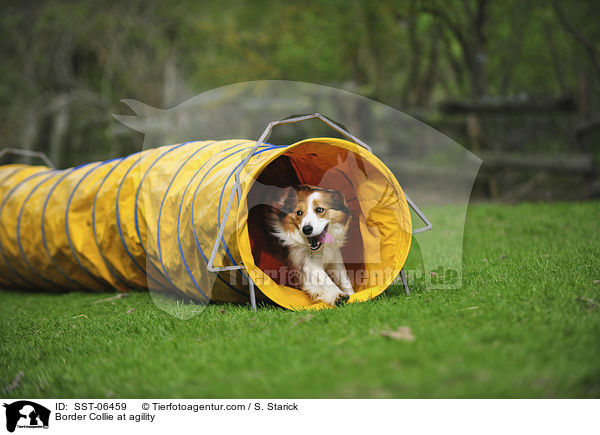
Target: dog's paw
(342, 299)
(348, 291)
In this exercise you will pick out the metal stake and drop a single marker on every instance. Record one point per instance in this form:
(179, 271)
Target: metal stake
(404, 282)
(252, 294)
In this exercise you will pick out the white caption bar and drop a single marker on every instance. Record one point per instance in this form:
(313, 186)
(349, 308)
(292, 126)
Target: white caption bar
(155, 416)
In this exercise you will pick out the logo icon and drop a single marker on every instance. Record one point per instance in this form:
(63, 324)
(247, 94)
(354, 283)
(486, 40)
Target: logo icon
(26, 414)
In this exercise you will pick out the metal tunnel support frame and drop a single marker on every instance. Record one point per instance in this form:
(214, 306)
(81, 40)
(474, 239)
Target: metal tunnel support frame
(237, 191)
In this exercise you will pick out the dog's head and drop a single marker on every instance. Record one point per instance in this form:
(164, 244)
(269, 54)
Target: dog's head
(310, 215)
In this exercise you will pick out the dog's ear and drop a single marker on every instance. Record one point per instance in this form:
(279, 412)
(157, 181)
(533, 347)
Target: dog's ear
(285, 200)
(338, 202)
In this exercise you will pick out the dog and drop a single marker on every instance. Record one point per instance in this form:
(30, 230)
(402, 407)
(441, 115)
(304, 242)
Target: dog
(310, 224)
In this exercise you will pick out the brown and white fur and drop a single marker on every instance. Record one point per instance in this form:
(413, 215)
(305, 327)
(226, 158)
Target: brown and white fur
(310, 224)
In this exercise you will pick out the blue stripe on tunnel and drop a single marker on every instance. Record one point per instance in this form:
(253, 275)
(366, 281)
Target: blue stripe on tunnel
(21, 211)
(137, 228)
(118, 217)
(179, 219)
(193, 223)
(223, 191)
(68, 233)
(20, 183)
(159, 218)
(45, 243)
(6, 178)
(108, 266)
(118, 220)
(10, 174)
(137, 193)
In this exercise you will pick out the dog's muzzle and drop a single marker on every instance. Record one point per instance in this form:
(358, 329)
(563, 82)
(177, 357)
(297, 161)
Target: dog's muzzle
(314, 243)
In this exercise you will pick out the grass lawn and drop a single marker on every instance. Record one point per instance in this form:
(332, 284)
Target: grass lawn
(525, 324)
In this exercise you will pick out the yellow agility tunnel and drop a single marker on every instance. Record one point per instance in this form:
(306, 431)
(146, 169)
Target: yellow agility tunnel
(186, 219)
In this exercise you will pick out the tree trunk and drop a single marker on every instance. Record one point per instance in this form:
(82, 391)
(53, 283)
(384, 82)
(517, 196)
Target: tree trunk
(60, 125)
(410, 94)
(30, 131)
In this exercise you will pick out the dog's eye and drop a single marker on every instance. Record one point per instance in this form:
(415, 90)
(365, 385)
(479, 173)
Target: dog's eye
(319, 210)
(299, 212)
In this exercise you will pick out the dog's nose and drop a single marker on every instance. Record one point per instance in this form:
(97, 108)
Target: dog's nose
(307, 229)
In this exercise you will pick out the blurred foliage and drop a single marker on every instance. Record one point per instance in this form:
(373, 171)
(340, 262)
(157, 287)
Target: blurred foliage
(66, 64)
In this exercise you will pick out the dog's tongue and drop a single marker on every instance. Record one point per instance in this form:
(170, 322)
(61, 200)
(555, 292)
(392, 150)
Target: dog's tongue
(325, 237)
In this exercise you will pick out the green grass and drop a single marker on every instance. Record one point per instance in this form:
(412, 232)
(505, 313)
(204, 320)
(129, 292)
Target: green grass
(525, 324)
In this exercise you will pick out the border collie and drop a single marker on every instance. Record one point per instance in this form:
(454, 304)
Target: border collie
(310, 224)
